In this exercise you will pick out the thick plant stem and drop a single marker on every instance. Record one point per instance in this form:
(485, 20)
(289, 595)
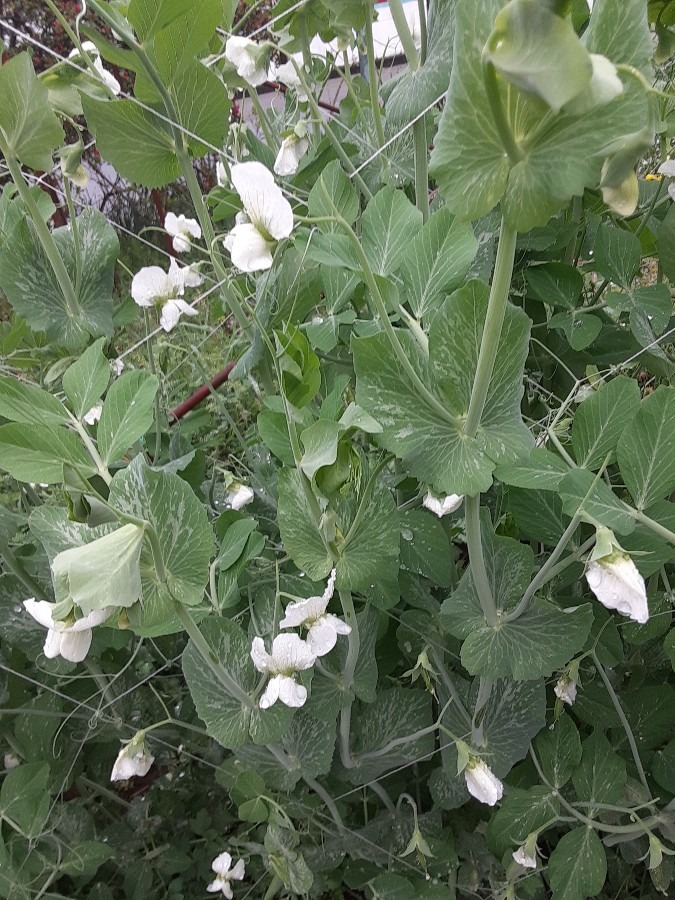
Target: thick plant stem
(348, 676)
(406, 39)
(421, 167)
(422, 9)
(44, 235)
(492, 331)
(478, 569)
(209, 657)
(372, 83)
(270, 137)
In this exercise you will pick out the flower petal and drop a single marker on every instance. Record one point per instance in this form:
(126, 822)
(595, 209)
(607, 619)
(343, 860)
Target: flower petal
(248, 58)
(290, 153)
(299, 612)
(291, 654)
(618, 585)
(52, 647)
(41, 611)
(290, 692)
(75, 644)
(263, 200)
(238, 871)
(260, 656)
(482, 783)
(249, 250)
(322, 636)
(271, 693)
(150, 284)
(221, 864)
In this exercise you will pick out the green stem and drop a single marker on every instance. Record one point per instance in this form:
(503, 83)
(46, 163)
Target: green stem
(513, 151)
(274, 888)
(210, 658)
(663, 532)
(77, 43)
(102, 683)
(477, 560)
(406, 39)
(372, 82)
(19, 572)
(156, 402)
(494, 319)
(624, 722)
(353, 649)
(101, 468)
(74, 227)
(421, 167)
(270, 137)
(45, 236)
(307, 64)
(320, 791)
(422, 9)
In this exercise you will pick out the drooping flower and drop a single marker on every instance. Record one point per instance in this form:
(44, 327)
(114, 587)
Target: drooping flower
(323, 628)
(151, 286)
(442, 506)
(289, 655)
(482, 783)
(292, 149)
(287, 75)
(603, 87)
(70, 639)
(133, 759)
(238, 496)
(566, 690)
(526, 854)
(248, 58)
(225, 873)
(91, 49)
(614, 579)
(267, 217)
(94, 414)
(181, 230)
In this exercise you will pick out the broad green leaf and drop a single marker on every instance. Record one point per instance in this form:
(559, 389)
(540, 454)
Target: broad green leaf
(320, 442)
(650, 713)
(425, 430)
(150, 16)
(665, 243)
(543, 471)
(646, 453)
(601, 776)
(27, 277)
(417, 88)
(621, 32)
(86, 380)
(559, 750)
(234, 541)
(555, 283)
(301, 538)
(341, 195)
(184, 536)
(599, 503)
(580, 328)
(521, 812)
(397, 713)
(28, 126)
(24, 797)
(562, 155)
(20, 402)
(425, 547)
(300, 368)
(436, 261)
(127, 413)
(602, 418)
(36, 453)
(85, 859)
(663, 766)
(539, 52)
(133, 140)
(616, 254)
(577, 867)
(56, 532)
(227, 719)
(203, 105)
(388, 224)
(273, 430)
(539, 514)
(650, 310)
(309, 744)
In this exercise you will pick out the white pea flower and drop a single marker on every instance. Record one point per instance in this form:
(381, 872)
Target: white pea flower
(221, 175)
(248, 58)
(11, 761)
(603, 87)
(117, 366)
(225, 873)
(289, 655)
(132, 760)
(292, 149)
(151, 285)
(109, 79)
(172, 311)
(614, 579)
(566, 690)
(181, 230)
(482, 783)
(526, 854)
(287, 75)
(442, 506)
(94, 414)
(238, 496)
(323, 628)
(70, 639)
(267, 217)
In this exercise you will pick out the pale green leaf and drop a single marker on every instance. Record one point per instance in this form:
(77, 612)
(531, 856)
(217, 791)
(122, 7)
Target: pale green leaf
(388, 224)
(601, 776)
(580, 328)
(602, 418)
(36, 453)
(539, 514)
(372, 550)
(577, 867)
(28, 126)
(150, 16)
(20, 402)
(24, 797)
(309, 744)
(555, 283)
(543, 471)
(86, 380)
(598, 503)
(646, 452)
(320, 442)
(559, 750)
(333, 191)
(620, 31)
(301, 538)
(425, 547)
(127, 413)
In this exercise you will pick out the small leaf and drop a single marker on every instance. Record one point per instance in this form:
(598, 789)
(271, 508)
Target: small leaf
(580, 328)
(601, 777)
(521, 813)
(86, 380)
(24, 797)
(543, 471)
(388, 224)
(37, 453)
(601, 506)
(616, 254)
(555, 283)
(602, 418)
(559, 750)
(341, 195)
(646, 452)
(29, 127)
(27, 403)
(127, 413)
(577, 867)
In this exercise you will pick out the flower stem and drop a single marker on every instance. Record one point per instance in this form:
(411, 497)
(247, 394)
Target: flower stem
(76, 237)
(406, 39)
(372, 81)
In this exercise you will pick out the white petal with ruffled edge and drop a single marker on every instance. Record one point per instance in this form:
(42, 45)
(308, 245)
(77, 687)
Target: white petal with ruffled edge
(482, 783)
(618, 585)
(149, 285)
(181, 230)
(248, 249)
(290, 153)
(245, 56)
(172, 311)
(263, 200)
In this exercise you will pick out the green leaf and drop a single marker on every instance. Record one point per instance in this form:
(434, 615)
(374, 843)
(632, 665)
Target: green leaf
(559, 750)
(580, 329)
(29, 128)
(601, 777)
(663, 767)
(150, 16)
(436, 261)
(273, 430)
(543, 471)
(300, 368)
(86, 380)
(21, 402)
(616, 254)
(602, 418)
(601, 506)
(539, 52)
(227, 720)
(37, 453)
(372, 551)
(234, 541)
(24, 797)
(621, 32)
(127, 413)
(425, 547)
(341, 194)
(388, 224)
(301, 538)
(309, 744)
(521, 813)
(665, 243)
(555, 283)
(426, 431)
(577, 867)
(27, 277)
(184, 536)
(646, 453)
(320, 441)
(539, 514)
(650, 309)
(137, 143)
(564, 155)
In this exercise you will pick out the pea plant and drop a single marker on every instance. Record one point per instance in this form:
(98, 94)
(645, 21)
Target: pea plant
(389, 616)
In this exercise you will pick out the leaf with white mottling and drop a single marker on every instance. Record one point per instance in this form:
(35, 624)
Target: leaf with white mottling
(388, 224)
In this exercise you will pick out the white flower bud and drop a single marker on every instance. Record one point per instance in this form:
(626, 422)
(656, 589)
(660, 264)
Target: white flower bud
(482, 783)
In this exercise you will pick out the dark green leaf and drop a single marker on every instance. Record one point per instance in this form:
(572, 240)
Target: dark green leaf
(559, 750)
(602, 418)
(646, 452)
(577, 867)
